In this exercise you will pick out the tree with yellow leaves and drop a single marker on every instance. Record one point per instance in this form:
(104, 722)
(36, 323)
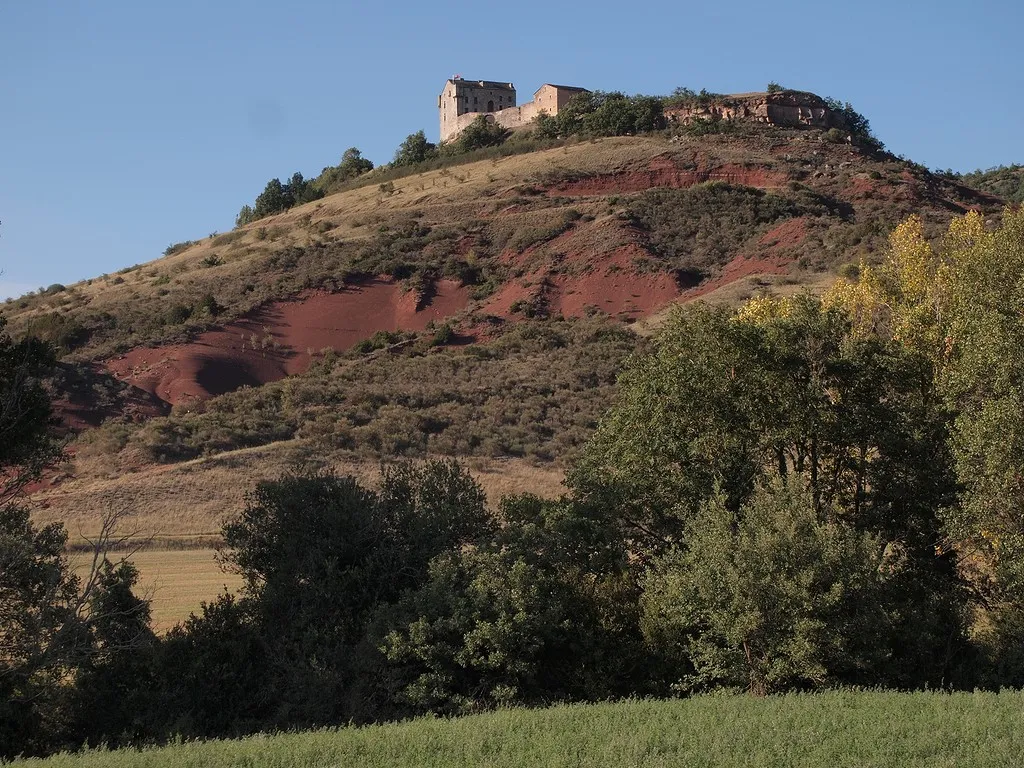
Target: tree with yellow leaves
(961, 303)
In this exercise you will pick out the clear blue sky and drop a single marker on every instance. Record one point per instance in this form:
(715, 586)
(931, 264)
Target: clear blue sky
(126, 126)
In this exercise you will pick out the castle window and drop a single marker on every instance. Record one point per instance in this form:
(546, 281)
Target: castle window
(490, 106)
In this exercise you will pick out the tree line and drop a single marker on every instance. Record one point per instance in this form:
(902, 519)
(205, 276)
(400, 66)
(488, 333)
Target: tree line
(797, 494)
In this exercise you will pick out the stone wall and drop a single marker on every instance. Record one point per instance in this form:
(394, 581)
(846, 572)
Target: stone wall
(515, 117)
(794, 109)
(468, 98)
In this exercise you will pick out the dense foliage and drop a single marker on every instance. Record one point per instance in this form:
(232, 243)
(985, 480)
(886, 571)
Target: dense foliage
(1005, 181)
(596, 113)
(56, 628)
(415, 149)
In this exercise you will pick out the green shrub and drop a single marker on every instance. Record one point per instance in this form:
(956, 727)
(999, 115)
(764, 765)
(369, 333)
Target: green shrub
(856, 124)
(443, 335)
(415, 149)
(596, 113)
(538, 612)
(170, 250)
(686, 97)
(63, 331)
(705, 226)
(177, 314)
(771, 598)
(479, 134)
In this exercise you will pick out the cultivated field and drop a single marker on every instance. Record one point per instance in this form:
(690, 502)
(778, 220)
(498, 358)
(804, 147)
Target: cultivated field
(180, 508)
(877, 729)
(177, 581)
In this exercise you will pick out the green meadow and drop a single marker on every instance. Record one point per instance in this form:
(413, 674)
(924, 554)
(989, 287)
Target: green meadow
(838, 728)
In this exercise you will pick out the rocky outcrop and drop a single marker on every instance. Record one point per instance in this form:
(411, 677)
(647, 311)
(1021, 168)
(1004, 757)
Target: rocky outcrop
(792, 109)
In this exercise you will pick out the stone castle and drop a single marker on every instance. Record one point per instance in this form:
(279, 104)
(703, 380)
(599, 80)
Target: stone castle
(462, 101)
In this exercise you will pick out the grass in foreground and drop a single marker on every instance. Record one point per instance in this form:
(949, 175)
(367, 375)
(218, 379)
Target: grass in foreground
(843, 728)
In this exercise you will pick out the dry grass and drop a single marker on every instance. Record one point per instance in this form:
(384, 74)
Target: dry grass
(177, 581)
(441, 195)
(735, 293)
(187, 503)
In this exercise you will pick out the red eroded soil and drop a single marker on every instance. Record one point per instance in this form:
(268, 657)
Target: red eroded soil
(613, 286)
(788, 234)
(767, 263)
(862, 186)
(78, 412)
(620, 294)
(280, 339)
(662, 172)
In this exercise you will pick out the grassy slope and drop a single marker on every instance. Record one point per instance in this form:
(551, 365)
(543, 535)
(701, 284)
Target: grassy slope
(495, 204)
(492, 201)
(338, 226)
(830, 729)
(184, 505)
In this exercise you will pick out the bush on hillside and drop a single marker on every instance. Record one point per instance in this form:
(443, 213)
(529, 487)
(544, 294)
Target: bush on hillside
(278, 197)
(65, 332)
(856, 124)
(705, 225)
(351, 166)
(415, 149)
(479, 134)
(170, 250)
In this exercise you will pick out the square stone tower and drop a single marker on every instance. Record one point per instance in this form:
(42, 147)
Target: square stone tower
(460, 97)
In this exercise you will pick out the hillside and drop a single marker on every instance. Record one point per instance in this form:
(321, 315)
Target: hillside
(762, 492)
(477, 310)
(1006, 181)
(827, 729)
